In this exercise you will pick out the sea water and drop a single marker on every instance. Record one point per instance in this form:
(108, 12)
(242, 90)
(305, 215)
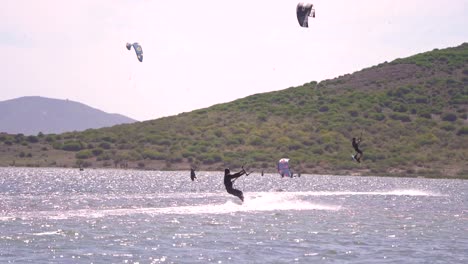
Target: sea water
(126, 216)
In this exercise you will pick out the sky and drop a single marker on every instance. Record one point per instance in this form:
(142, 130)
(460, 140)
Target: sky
(198, 53)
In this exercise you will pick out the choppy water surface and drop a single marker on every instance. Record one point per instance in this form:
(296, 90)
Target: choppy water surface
(123, 216)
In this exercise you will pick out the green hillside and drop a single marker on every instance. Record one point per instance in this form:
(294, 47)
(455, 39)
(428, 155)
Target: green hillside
(412, 114)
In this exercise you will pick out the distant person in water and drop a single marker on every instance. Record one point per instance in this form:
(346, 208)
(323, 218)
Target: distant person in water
(192, 174)
(359, 153)
(229, 180)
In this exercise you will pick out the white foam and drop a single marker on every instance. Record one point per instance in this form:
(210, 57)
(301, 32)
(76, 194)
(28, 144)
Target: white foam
(255, 201)
(50, 233)
(260, 202)
(377, 193)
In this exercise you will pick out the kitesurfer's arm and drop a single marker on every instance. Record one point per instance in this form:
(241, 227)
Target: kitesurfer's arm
(237, 175)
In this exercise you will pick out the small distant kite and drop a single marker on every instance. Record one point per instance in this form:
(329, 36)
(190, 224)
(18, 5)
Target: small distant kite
(304, 11)
(138, 50)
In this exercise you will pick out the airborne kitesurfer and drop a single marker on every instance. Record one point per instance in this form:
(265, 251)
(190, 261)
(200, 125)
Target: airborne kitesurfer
(229, 180)
(359, 153)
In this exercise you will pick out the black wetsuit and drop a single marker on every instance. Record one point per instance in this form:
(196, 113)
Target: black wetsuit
(228, 183)
(192, 175)
(356, 148)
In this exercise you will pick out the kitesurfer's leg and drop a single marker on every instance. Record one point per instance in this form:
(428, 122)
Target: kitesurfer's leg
(236, 193)
(360, 155)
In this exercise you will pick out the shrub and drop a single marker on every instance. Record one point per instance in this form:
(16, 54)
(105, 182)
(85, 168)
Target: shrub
(134, 155)
(210, 158)
(235, 140)
(105, 156)
(19, 138)
(448, 127)
(97, 151)
(353, 113)
(317, 151)
(262, 117)
(57, 145)
(420, 100)
(84, 154)
(152, 155)
(425, 114)
(378, 116)
(218, 133)
(108, 139)
(426, 139)
(400, 108)
(256, 141)
(323, 109)
(463, 131)
(105, 145)
(451, 117)
(401, 117)
(50, 138)
(174, 158)
(32, 139)
(72, 146)
(188, 154)
(374, 157)
(83, 163)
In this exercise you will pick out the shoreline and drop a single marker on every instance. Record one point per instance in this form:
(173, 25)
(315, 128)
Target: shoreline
(254, 172)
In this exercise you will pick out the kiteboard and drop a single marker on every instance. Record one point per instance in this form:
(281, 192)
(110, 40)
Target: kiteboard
(237, 201)
(352, 156)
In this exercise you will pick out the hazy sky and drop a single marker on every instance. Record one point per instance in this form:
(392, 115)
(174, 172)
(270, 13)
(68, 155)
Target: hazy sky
(198, 53)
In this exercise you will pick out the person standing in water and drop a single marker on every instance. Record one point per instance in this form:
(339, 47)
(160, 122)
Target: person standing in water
(229, 180)
(192, 174)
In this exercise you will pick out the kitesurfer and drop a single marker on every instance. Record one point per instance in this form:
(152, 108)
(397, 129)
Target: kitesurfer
(356, 143)
(192, 174)
(229, 180)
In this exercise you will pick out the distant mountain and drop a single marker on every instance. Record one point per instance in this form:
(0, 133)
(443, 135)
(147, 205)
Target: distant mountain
(33, 114)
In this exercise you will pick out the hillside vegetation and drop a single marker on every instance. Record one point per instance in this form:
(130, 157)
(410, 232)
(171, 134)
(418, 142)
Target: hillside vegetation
(411, 112)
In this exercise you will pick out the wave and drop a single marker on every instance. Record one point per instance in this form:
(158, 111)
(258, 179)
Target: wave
(268, 201)
(403, 192)
(254, 201)
(49, 233)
